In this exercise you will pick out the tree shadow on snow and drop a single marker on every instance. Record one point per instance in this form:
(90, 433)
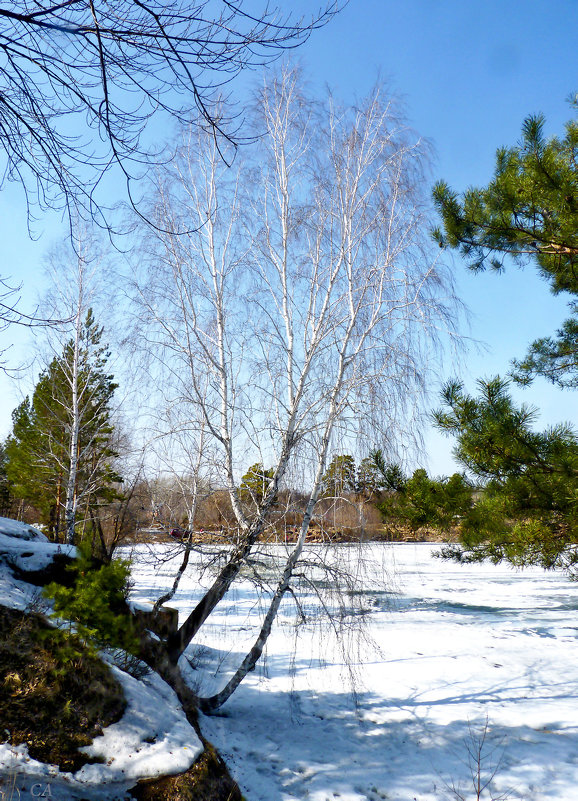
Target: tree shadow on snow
(300, 743)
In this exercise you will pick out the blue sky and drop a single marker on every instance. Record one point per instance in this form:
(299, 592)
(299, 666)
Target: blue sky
(469, 73)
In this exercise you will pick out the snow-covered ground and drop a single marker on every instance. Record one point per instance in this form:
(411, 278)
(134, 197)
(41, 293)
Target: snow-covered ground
(445, 653)
(455, 650)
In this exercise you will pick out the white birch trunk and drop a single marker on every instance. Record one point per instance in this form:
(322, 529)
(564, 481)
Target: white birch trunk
(74, 418)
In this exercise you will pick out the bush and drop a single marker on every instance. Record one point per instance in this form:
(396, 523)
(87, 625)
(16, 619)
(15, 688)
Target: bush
(97, 602)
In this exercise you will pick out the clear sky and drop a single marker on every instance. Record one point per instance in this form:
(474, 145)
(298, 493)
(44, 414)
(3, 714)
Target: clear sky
(469, 73)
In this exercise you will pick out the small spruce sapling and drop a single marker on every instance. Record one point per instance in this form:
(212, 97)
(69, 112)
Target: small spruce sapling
(97, 602)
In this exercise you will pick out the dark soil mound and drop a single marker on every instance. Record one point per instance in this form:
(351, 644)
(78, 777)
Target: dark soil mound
(207, 780)
(55, 694)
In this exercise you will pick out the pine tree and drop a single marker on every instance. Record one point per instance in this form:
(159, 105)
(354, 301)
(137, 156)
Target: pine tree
(369, 479)
(528, 510)
(340, 477)
(424, 501)
(34, 458)
(5, 491)
(529, 212)
(254, 484)
(391, 474)
(60, 453)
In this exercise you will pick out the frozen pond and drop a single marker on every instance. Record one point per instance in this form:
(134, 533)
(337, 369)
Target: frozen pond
(389, 713)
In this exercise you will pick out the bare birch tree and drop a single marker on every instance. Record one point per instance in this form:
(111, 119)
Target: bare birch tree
(83, 392)
(302, 307)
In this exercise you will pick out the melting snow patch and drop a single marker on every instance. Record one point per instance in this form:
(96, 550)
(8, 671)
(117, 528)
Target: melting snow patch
(152, 738)
(23, 531)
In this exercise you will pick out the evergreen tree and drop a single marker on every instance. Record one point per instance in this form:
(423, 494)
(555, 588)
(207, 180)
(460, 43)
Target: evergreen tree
(391, 473)
(340, 477)
(528, 211)
(97, 601)
(423, 501)
(34, 454)
(5, 493)
(528, 511)
(254, 484)
(60, 453)
(369, 479)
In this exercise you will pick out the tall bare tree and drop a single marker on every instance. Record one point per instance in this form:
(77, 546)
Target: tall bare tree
(83, 391)
(301, 309)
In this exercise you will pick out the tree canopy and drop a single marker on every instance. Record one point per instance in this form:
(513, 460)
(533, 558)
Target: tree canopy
(340, 476)
(529, 212)
(254, 483)
(527, 512)
(420, 500)
(5, 494)
(38, 450)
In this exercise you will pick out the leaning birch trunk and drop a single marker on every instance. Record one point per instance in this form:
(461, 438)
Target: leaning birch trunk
(177, 643)
(248, 664)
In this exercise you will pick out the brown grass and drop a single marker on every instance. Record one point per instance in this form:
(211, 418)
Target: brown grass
(55, 694)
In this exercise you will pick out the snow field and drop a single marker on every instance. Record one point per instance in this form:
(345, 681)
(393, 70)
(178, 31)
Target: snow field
(387, 711)
(447, 652)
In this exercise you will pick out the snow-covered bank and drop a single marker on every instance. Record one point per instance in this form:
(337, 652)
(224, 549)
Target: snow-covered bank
(152, 738)
(453, 646)
(24, 548)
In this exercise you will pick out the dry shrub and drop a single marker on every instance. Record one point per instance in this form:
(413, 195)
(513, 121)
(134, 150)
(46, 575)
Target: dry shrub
(215, 511)
(348, 517)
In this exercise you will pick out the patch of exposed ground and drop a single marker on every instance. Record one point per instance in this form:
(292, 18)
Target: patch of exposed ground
(207, 780)
(56, 695)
